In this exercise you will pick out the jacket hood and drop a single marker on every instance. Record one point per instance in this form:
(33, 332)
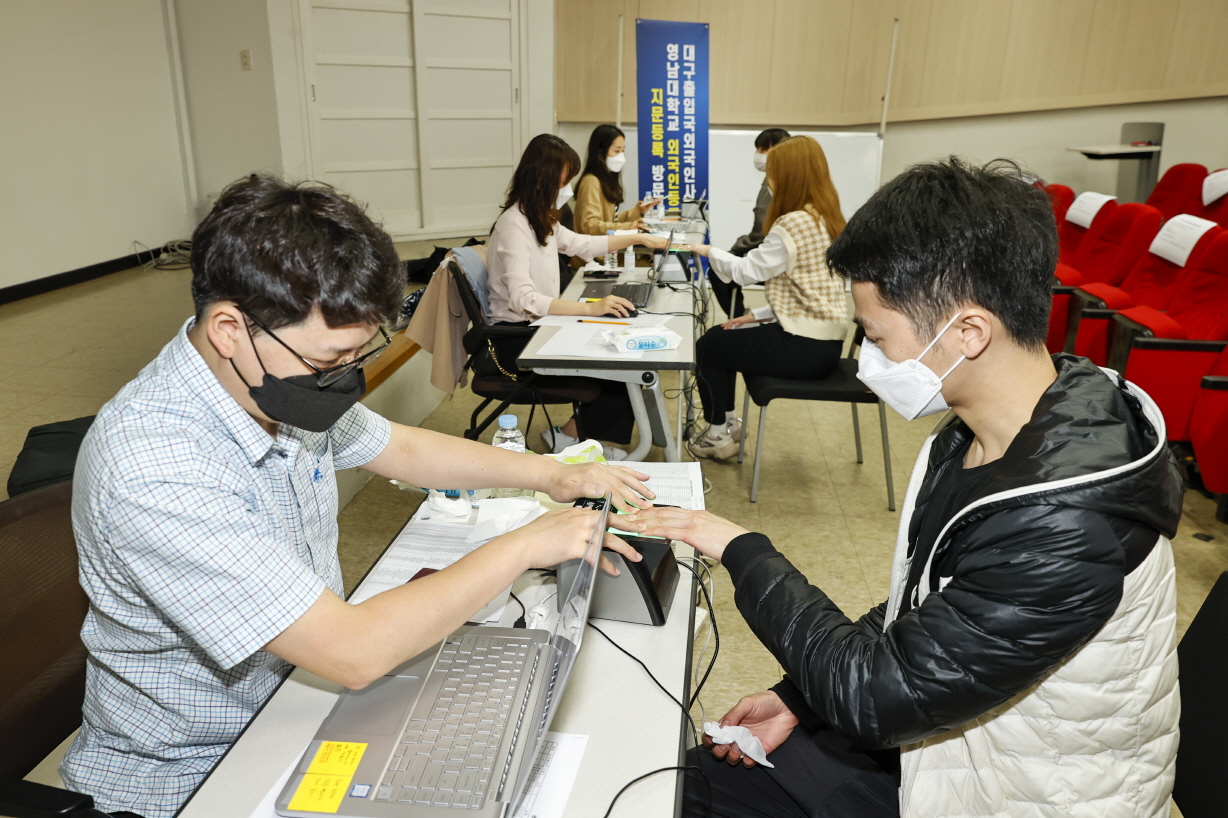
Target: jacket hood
(1094, 442)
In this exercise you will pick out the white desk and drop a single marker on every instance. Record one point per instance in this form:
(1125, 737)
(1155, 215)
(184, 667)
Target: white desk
(1140, 166)
(604, 690)
(641, 375)
(1116, 151)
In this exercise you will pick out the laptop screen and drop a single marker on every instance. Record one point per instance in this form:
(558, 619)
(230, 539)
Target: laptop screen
(574, 603)
(655, 272)
(559, 654)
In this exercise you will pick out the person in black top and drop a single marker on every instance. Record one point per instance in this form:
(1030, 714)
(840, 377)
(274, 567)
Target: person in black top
(1025, 660)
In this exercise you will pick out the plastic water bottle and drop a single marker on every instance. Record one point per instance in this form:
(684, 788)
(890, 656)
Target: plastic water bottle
(510, 437)
(611, 256)
(628, 260)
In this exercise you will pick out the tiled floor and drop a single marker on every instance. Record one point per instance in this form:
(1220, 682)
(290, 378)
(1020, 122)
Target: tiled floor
(68, 351)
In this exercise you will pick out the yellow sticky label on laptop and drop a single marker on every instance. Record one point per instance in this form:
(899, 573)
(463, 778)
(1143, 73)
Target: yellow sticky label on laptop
(320, 793)
(337, 758)
(328, 777)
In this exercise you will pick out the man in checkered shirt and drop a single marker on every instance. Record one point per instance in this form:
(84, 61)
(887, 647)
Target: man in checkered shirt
(205, 500)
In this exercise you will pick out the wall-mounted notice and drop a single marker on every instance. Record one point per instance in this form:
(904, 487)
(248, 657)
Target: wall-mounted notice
(672, 92)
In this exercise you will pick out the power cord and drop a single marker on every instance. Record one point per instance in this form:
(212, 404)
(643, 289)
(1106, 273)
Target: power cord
(716, 635)
(540, 612)
(699, 660)
(174, 255)
(634, 781)
(655, 680)
(519, 623)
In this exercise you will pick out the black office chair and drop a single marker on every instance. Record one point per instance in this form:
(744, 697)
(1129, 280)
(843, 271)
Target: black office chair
(492, 360)
(842, 385)
(1203, 656)
(42, 659)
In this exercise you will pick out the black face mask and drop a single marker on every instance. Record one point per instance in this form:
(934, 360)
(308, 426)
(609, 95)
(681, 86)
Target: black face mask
(298, 401)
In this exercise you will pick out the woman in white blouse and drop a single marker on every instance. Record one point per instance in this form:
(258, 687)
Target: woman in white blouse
(522, 262)
(800, 333)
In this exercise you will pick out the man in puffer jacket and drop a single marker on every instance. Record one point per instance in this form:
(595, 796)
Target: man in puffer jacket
(1025, 662)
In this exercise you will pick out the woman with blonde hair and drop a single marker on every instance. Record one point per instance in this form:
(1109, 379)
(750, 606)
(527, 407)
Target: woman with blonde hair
(800, 333)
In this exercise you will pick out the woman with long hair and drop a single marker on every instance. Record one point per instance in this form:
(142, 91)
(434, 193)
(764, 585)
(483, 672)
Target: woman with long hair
(601, 186)
(799, 334)
(523, 274)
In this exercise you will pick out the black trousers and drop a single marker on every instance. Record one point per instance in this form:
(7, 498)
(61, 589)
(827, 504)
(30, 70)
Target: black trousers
(761, 350)
(817, 775)
(609, 417)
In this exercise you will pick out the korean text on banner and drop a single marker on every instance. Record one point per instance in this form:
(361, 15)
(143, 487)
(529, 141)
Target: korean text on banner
(672, 93)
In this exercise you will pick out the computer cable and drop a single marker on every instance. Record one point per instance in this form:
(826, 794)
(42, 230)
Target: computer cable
(519, 623)
(716, 635)
(655, 680)
(540, 612)
(690, 562)
(634, 781)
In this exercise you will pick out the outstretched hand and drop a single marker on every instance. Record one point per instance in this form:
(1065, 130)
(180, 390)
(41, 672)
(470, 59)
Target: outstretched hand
(571, 482)
(702, 530)
(767, 718)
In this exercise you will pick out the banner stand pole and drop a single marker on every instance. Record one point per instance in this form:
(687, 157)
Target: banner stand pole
(882, 125)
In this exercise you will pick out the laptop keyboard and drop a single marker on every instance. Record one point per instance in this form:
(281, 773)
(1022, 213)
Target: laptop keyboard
(448, 754)
(637, 292)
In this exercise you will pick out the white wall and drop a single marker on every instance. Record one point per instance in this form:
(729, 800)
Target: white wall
(232, 112)
(538, 81)
(89, 148)
(1195, 131)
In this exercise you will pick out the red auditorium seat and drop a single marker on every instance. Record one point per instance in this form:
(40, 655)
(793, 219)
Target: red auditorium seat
(1217, 209)
(1071, 235)
(1061, 197)
(1168, 353)
(1179, 190)
(1106, 254)
(1151, 282)
(1209, 432)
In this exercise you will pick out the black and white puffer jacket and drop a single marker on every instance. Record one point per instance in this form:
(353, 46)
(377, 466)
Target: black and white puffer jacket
(1037, 675)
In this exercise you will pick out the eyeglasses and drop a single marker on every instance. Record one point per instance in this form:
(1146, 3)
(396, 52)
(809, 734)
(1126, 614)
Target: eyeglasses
(332, 374)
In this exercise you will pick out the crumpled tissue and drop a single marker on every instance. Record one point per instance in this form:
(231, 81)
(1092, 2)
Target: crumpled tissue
(444, 506)
(747, 742)
(586, 451)
(499, 515)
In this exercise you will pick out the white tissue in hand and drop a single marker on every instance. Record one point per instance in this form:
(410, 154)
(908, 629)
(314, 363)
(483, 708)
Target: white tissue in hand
(747, 742)
(499, 515)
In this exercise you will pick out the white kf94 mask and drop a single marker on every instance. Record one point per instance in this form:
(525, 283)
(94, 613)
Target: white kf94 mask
(909, 387)
(615, 163)
(565, 193)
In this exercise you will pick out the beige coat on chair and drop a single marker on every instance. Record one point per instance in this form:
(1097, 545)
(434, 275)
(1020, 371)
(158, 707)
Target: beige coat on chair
(439, 325)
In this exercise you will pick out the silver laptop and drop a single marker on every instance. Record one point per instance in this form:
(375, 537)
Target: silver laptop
(637, 292)
(453, 729)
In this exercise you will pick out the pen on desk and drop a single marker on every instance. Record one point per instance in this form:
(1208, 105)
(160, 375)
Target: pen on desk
(589, 300)
(619, 323)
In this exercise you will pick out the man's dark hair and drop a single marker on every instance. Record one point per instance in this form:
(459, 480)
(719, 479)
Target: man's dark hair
(766, 140)
(946, 234)
(279, 249)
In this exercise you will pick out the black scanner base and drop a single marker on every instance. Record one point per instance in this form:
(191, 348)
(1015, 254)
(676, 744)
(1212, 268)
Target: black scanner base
(642, 592)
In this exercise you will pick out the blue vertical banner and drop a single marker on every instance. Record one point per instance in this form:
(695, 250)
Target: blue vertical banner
(671, 69)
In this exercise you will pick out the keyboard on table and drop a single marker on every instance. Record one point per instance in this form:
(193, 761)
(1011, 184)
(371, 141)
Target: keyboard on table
(637, 292)
(447, 755)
